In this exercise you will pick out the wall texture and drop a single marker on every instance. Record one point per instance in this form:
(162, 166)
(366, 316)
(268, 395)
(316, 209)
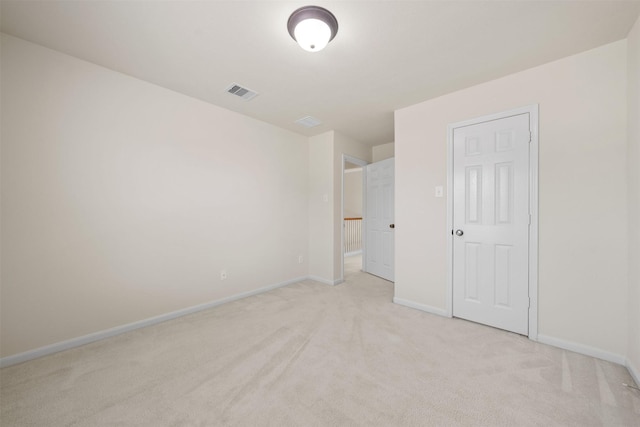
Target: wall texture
(633, 172)
(122, 200)
(583, 263)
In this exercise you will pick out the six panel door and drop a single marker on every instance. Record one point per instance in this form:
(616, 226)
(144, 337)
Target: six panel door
(491, 223)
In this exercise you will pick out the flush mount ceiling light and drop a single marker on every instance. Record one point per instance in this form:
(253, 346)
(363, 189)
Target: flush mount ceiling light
(313, 27)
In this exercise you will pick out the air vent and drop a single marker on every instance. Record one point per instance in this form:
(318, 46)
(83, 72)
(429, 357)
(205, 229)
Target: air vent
(242, 92)
(308, 122)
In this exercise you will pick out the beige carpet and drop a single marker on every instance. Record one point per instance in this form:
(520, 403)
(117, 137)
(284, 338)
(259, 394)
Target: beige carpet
(315, 355)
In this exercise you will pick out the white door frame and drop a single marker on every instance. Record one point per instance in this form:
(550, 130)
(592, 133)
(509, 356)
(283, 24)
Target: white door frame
(532, 110)
(362, 164)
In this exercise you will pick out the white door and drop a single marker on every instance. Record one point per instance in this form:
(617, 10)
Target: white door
(491, 223)
(379, 219)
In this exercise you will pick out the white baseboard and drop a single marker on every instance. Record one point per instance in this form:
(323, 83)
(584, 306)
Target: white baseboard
(325, 281)
(635, 373)
(358, 252)
(421, 307)
(583, 349)
(86, 339)
(544, 339)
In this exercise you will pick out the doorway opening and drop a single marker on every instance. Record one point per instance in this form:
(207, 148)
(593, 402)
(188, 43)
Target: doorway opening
(353, 203)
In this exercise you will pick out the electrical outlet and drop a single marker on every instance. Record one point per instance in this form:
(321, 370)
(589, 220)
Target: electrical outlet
(300, 259)
(223, 274)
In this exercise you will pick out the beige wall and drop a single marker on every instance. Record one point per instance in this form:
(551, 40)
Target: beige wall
(353, 193)
(383, 152)
(633, 171)
(122, 200)
(321, 201)
(583, 272)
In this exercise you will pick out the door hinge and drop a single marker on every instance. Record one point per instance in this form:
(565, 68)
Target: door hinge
(528, 302)
(529, 219)
(530, 136)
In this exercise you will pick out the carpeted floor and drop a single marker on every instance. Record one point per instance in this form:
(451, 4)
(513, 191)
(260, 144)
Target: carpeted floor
(314, 355)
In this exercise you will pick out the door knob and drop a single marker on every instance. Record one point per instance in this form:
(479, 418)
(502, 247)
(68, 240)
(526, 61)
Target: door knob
(459, 232)
(392, 226)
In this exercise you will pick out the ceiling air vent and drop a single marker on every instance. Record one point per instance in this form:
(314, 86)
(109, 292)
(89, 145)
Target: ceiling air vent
(308, 122)
(242, 92)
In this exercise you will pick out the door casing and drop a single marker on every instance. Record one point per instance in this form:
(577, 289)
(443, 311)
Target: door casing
(532, 110)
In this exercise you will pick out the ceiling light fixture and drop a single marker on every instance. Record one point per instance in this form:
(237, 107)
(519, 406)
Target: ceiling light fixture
(313, 27)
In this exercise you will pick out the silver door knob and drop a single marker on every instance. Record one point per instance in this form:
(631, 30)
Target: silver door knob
(459, 232)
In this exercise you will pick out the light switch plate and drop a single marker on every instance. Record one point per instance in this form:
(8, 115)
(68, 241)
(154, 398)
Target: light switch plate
(439, 191)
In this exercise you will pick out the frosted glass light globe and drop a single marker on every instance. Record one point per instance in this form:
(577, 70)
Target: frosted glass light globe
(312, 27)
(312, 35)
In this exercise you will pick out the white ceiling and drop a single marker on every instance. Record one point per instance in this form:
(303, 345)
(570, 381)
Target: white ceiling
(386, 55)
